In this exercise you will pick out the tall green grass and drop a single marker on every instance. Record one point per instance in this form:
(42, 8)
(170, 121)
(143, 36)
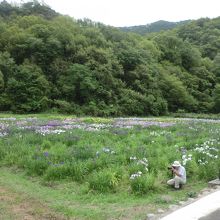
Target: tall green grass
(101, 160)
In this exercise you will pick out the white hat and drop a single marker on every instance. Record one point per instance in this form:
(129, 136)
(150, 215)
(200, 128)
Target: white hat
(176, 164)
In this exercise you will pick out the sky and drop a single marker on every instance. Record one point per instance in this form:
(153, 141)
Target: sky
(120, 13)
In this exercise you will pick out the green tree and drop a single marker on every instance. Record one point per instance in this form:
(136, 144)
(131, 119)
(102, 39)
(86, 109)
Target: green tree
(28, 89)
(6, 9)
(2, 83)
(175, 93)
(216, 96)
(50, 60)
(216, 66)
(7, 69)
(7, 66)
(78, 84)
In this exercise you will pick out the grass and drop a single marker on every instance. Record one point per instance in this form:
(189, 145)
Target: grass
(64, 198)
(19, 204)
(84, 173)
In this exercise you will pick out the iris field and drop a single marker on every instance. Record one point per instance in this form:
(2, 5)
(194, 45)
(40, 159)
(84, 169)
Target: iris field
(110, 157)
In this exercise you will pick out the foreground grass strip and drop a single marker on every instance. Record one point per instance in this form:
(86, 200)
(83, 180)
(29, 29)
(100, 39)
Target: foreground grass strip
(18, 206)
(32, 197)
(58, 200)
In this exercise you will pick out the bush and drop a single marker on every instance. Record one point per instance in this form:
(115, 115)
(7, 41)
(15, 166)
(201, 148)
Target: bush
(46, 144)
(75, 171)
(96, 164)
(143, 184)
(191, 169)
(37, 166)
(83, 153)
(2, 153)
(134, 167)
(10, 158)
(71, 140)
(104, 181)
(209, 171)
(57, 172)
(63, 106)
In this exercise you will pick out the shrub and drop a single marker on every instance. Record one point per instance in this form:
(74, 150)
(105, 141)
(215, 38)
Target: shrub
(63, 106)
(107, 159)
(143, 184)
(192, 168)
(94, 164)
(208, 171)
(83, 153)
(58, 153)
(75, 171)
(134, 167)
(2, 153)
(37, 166)
(56, 172)
(46, 144)
(10, 158)
(157, 165)
(71, 140)
(104, 181)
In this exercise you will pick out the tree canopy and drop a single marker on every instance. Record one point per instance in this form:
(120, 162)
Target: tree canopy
(53, 62)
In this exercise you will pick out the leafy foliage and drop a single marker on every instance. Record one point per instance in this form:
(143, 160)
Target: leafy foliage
(50, 62)
(144, 184)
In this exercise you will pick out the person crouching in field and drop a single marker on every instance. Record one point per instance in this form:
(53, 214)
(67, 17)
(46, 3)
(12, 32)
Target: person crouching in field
(179, 173)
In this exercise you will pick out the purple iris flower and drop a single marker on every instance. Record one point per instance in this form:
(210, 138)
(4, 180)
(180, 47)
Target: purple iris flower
(46, 154)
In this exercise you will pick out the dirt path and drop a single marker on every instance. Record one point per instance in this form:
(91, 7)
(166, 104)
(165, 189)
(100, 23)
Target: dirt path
(14, 206)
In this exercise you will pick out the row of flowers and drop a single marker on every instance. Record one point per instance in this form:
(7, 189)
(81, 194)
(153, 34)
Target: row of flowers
(209, 150)
(45, 127)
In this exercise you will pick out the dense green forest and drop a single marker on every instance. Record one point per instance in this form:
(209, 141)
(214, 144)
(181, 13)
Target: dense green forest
(153, 27)
(51, 62)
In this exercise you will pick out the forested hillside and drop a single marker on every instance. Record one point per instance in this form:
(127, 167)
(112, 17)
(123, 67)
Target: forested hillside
(153, 27)
(50, 62)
